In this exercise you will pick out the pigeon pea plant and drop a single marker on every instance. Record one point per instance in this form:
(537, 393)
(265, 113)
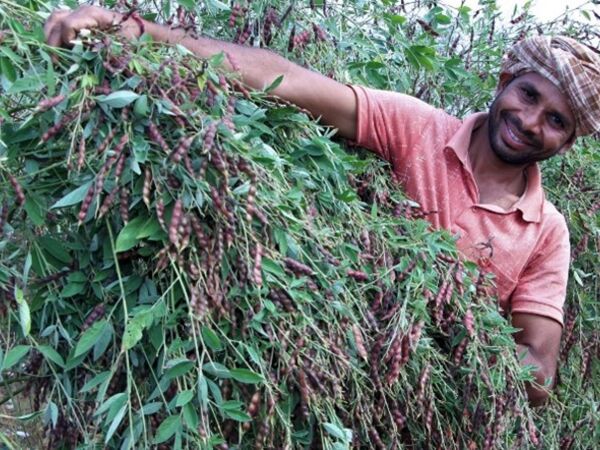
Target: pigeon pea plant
(187, 263)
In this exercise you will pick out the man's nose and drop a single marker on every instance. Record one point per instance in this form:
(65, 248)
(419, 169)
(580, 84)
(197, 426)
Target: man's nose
(531, 121)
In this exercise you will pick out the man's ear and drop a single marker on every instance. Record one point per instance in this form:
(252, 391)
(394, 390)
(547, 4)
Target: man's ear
(567, 145)
(505, 79)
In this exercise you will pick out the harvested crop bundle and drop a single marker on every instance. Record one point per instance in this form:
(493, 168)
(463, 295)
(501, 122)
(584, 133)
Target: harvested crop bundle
(186, 263)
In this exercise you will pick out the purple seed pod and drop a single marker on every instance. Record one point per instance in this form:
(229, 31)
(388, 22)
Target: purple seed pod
(19, 194)
(199, 232)
(107, 203)
(81, 154)
(182, 149)
(3, 216)
(256, 270)
(56, 128)
(297, 267)
(209, 137)
(101, 177)
(124, 205)
(157, 138)
(147, 189)
(358, 275)
(216, 199)
(175, 221)
(120, 167)
(107, 140)
(97, 313)
(85, 204)
(49, 103)
(160, 213)
(121, 145)
(185, 231)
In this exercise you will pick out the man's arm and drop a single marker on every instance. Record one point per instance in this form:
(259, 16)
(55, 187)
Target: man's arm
(539, 339)
(334, 102)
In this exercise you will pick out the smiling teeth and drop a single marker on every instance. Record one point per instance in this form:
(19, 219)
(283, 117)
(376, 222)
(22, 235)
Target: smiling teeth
(510, 131)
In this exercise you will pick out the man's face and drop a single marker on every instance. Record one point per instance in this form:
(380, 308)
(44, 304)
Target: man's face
(530, 120)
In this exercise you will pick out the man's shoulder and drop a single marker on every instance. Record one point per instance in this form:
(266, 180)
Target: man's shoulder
(553, 220)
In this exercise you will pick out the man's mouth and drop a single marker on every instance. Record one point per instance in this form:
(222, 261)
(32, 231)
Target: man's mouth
(516, 138)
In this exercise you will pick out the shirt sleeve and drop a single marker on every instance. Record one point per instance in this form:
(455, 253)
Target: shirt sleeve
(542, 286)
(389, 123)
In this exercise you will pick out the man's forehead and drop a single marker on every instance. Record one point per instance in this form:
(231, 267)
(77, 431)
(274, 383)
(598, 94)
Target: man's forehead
(546, 88)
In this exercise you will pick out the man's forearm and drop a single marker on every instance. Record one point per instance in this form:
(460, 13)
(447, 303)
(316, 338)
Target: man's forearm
(258, 67)
(536, 392)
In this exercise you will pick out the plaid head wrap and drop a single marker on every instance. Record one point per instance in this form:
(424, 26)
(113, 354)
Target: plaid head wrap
(572, 67)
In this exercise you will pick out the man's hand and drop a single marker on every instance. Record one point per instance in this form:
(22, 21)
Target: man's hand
(334, 102)
(539, 338)
(62, 26)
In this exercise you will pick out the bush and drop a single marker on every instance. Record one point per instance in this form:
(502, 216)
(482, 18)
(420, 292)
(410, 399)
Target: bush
(189, 264)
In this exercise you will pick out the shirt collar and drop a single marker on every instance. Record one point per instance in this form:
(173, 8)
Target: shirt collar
(531, 203)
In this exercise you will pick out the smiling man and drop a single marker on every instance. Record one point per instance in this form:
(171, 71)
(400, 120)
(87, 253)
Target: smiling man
(479, 174)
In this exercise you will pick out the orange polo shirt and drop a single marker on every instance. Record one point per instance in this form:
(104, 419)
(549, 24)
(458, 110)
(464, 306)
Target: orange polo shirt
(526, 247)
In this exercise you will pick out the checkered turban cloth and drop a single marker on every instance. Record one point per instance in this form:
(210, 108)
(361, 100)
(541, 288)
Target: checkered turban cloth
(572, 67)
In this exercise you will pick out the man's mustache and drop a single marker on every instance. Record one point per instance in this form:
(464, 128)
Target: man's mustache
(529, 136)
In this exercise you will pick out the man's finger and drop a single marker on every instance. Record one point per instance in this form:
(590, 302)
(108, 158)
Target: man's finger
(54, 38)
(68, 31)
(53, 21)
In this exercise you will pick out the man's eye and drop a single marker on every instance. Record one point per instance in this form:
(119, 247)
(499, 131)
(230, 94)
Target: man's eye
(528, 93)
(557, 121)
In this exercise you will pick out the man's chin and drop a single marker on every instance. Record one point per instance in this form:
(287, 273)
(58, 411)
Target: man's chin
(512, 157)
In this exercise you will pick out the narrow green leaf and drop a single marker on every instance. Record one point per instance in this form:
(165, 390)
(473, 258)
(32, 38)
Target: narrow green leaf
(246, 376)
(217, 370)
(211, 339)
(24, 313)
(167, 429)
(97, 380)
(118, 99)
(51, 354)
(184, 397)
(133, 334)
(73, 197)
(14, 355)
(89, 337)
(127, 238)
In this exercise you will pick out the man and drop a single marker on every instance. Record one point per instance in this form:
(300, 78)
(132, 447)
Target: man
(480, 174)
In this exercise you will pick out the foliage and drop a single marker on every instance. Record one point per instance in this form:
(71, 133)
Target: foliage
(187, 264)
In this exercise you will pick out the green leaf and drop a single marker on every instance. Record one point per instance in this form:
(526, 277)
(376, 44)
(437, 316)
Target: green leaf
(89, 337)
(184, 397)
(275, 84)
(14, 355)
(336, 431)
(127, 238)
(26, 84)
(97, 380)
(211, 339)
(236, 414)
(246, 376)
(190, 416)
(56, 248)
(118, 99)
(179, 369)
(217, 370)
(34, 211)
(133, 334)
(115, 423)
(73, 197)
(51, 354)
(7, 69)
(167, 429)
(140, 108)
(24, 313)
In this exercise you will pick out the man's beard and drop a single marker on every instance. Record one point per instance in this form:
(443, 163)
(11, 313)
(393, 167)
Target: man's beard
(501, 150)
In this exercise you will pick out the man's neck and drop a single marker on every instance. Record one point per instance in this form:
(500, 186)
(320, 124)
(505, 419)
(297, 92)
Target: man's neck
(499, 183)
